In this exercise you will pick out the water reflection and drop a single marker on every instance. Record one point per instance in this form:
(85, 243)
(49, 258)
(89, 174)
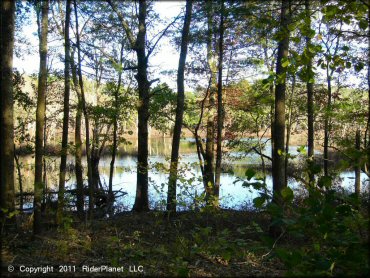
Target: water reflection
(232, 193)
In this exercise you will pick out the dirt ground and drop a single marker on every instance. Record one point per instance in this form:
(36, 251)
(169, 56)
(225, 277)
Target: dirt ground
(225, 243)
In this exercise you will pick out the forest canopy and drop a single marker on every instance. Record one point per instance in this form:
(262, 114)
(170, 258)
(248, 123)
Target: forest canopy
(185, 138)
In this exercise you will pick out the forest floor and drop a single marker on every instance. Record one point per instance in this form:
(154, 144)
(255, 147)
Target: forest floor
(225, 243)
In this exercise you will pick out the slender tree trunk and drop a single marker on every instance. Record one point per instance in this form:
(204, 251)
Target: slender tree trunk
(171, 196)
(78, 144)
(210, 137)
(310, 105)
(289, 130)
(40, 116)
(95, 156)
(7, 18)
(141, 199)
(115, 143)
(272, 115)
(220, 108)
(358, 166)
(18, 165)
(86, 116)
(44, 176)
(278, 169)
(327, 125)
(63, 158)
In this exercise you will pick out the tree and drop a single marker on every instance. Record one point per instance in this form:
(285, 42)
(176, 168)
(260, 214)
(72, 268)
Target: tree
(171, 195)
(40, 112)
(209, 152)
(78, 142)
(63, 157)
(278, 159)
(220, 108)
(86, 116)
(115, 129)
(138, 44)
(310, 104)
(6, 106)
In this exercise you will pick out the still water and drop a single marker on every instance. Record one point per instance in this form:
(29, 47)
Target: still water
(232, 193)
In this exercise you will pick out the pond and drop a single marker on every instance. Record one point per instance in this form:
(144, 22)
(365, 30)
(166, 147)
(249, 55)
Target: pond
(232, 192)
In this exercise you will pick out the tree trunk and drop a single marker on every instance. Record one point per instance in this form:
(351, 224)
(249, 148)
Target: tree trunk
(78, 144)
(44, 176)
(115, 128)
(278, 169)
(95, 159)
(358, 166)
(40, 116)
(289, 129)
(171, 196)
(220, 109)
(327, 125)
(6, 106)
(310, 106)
(209, 154)
(63, 158)
(86, 116)
(141, 199)
(18, 165)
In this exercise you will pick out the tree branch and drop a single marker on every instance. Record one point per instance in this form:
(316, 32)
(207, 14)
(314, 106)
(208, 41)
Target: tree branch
(125, 25)
(160, 37)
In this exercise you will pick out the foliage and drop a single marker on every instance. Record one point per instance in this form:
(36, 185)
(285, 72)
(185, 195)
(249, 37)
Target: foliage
(162, 107)
(327, 229)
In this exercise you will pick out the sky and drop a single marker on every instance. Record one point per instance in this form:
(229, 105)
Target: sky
(165, 59)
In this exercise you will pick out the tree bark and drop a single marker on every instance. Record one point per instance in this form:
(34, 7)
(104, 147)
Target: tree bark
(115, 129)
(209, 154)
(327, 125)
(63, 157)
(220, 108)
(171, 196)
(78, 144)
(141, 199)
(6, 106)
(18, 165)
(310, 105)
(278, 169)
(40, 116)
(289, 128)
(358, 166)
(86, 116)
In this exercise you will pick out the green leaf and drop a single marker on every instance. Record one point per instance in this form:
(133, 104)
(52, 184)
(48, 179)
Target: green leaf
(332, 267)
(285, 64)
(287, 194)
(325, 181)
(328, 212)
(359, 66)
(250, 173)
(363, 24)
(315, 168)
(259, 201)
(302, 149)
